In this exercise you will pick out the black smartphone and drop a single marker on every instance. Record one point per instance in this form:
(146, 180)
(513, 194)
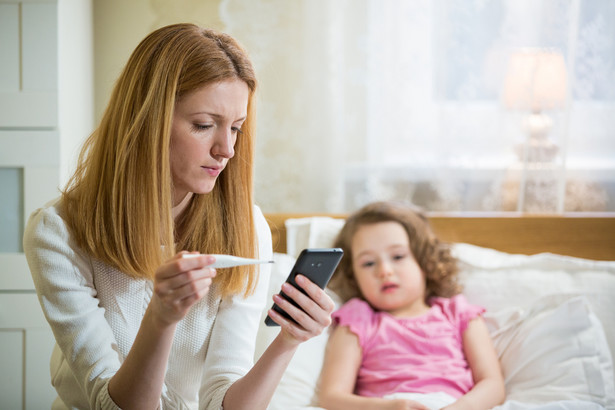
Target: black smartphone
(318, 265)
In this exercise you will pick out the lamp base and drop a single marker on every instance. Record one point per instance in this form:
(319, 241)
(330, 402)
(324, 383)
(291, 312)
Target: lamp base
(538, 148)
(538, 151)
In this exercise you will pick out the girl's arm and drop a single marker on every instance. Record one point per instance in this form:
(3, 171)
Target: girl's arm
(488, 390)
(339, 373)
(255, 389)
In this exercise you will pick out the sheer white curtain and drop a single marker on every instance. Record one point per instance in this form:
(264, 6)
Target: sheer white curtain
(299, 155)
(366, 99)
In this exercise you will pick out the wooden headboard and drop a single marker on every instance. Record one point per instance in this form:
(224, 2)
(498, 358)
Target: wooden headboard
(590, 236)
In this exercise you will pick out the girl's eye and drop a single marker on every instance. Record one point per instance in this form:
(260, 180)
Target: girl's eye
(368, 264)
(201, 127)
(398, 257)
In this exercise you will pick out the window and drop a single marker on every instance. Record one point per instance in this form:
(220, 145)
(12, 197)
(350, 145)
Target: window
(366, 99)
(439, 132)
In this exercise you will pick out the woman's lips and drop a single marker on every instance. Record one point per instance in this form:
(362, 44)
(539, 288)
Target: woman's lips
(213, 171)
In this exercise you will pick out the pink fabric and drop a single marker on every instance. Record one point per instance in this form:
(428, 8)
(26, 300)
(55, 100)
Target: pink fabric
(421, 354)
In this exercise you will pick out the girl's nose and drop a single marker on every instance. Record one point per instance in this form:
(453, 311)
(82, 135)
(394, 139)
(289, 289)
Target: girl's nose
(384, 269)
(224, 145)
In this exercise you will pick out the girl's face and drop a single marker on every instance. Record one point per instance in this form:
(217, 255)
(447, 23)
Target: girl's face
(206, 125)
(388, 276)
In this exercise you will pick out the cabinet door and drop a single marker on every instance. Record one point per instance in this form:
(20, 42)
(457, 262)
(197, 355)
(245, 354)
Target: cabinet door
(26, 342)
(29, 64)
(28, 179)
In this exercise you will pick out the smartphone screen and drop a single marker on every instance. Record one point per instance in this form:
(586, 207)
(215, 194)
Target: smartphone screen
(317, 265)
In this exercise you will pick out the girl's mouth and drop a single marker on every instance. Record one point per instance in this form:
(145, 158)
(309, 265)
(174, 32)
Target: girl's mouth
(389, 287)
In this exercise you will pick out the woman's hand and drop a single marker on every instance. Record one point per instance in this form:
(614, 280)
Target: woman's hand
(178, 284)
(312, 320)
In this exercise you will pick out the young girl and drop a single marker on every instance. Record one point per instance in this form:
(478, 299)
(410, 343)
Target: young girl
(405, 338)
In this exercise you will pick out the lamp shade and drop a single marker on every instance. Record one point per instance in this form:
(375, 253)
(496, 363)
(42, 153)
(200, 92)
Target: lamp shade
(535, 80)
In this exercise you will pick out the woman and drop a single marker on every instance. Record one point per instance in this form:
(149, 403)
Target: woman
(168, 170)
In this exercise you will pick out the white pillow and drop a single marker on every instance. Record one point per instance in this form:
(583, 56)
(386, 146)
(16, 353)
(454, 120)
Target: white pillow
(498, 280)
(555, 349)
(311, 232)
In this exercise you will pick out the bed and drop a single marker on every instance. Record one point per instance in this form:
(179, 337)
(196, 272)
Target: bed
(547, 282)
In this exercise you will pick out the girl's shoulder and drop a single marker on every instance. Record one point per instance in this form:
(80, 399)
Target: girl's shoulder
(355, 312)
(359, 317)
(454, 302)
(354, 307)
(457, 308)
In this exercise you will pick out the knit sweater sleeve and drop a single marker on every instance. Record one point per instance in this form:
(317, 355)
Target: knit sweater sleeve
(63, 279)
(231, 350)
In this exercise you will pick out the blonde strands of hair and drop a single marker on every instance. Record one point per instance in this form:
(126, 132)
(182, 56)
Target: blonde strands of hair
(118, 202)
(433, 256)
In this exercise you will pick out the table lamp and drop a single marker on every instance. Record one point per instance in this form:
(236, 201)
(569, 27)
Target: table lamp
(536, 82)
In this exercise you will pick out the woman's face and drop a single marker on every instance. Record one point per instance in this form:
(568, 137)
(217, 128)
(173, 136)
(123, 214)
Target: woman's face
(386, 271)
(206, 125)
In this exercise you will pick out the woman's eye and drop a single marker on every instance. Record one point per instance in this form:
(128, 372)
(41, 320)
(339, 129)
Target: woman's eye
(201, 127)
(236, 130)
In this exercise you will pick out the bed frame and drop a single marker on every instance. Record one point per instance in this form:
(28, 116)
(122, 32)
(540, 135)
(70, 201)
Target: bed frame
(590, 236)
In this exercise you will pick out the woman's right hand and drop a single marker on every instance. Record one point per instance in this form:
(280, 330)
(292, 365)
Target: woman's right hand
(313, 316)
(178, 284)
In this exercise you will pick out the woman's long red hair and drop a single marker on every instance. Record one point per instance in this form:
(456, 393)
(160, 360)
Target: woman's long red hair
(118, 202)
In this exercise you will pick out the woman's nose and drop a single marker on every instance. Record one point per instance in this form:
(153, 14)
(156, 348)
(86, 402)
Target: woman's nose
(224, 145)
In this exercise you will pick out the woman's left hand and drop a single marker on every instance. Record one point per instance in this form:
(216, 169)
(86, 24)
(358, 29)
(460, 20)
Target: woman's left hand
(312, 320)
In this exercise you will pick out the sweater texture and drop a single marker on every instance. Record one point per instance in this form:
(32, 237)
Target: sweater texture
(95, 312)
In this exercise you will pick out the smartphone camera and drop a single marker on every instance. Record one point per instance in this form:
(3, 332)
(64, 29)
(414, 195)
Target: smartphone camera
(317, 264)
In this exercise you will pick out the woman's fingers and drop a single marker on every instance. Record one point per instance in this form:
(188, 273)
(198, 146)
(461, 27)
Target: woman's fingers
(315, 293)
(316, 303)
(187, 284)
(183, 277)
(314, 313)
(179, 264)
(181, 282)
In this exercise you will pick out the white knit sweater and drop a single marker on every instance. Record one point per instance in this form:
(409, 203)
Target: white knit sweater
(95, 312)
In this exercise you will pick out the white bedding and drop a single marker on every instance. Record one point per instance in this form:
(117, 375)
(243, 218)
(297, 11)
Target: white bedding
(551, 318)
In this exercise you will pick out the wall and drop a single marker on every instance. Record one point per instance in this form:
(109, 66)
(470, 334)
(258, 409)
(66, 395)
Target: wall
(120, 25)
(295, 151)
(75, 80)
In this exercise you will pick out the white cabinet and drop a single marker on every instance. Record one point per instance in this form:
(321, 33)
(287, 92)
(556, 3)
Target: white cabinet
(29, 65)
(29, 177)
(26, 343)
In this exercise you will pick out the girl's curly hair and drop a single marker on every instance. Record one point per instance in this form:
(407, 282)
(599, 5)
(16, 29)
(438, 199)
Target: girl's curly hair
(432, 255)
